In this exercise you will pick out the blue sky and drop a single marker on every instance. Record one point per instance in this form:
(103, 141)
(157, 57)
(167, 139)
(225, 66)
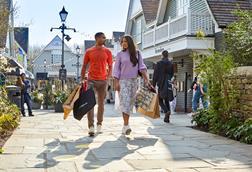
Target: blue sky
(87, 16)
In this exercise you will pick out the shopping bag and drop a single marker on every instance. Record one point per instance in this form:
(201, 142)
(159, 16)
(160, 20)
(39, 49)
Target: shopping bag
(69, 103)
(117, 101)
(84, 103)
(144, 98)
(153, 111)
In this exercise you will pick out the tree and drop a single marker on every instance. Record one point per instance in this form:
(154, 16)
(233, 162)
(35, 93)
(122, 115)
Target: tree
(238, 37)
(4, 18)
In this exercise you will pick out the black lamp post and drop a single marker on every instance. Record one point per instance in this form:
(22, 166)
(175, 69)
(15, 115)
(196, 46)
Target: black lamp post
(63, 15)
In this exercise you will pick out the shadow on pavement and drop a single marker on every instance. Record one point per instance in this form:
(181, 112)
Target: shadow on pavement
(58, 151)
(115, 150)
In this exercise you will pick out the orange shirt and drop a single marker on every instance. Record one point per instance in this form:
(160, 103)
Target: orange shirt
(98, 59)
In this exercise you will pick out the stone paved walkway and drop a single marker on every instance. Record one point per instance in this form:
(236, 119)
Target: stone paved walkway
(47, 143)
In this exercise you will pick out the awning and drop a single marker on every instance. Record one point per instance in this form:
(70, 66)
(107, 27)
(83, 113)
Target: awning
(29, 74)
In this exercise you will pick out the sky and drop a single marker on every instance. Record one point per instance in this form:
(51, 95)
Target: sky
(86, 16)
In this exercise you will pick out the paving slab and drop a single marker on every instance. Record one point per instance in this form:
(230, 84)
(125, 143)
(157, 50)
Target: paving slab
(47, 143)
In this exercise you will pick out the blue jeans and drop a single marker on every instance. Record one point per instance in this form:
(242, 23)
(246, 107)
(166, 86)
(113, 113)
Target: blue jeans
(196, 100)
(25, 98)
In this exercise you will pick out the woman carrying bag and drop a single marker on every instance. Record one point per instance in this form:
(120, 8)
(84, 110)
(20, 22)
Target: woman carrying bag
(128, 64)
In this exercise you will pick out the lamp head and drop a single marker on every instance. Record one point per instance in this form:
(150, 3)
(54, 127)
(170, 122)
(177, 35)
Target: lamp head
(63, 14)
(68, 38)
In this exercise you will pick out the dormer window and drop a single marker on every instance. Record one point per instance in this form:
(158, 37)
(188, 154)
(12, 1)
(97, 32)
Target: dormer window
(182, 7)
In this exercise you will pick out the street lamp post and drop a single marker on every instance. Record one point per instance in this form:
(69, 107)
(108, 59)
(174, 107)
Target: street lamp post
(63, 15)
(77, 63)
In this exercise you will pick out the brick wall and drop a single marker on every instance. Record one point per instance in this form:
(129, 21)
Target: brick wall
(244, 81)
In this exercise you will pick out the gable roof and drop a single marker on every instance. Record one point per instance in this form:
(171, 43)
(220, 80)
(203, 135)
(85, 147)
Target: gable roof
(56, 44)
(222, 10)
(150, 9)
(116, 36)
(88, 44)
(21, 36)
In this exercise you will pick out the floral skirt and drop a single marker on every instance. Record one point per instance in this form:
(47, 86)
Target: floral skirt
(128, 89)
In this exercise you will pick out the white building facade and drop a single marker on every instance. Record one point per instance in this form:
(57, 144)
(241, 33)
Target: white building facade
(172, 25)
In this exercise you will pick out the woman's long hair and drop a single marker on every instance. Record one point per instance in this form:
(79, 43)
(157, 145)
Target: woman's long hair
(132, 49)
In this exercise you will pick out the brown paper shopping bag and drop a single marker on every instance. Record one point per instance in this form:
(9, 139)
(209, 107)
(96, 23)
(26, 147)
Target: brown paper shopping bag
(153, 110)
(69, 103)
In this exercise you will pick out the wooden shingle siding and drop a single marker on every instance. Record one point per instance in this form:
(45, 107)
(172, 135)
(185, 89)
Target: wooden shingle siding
(181, 71)
(198, 6)
(150, 8)
(222, 10)
(219, 41)
(170, 10)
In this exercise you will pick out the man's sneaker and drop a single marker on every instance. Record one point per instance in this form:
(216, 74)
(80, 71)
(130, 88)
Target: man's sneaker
(126, 130)
(99, 129)
(31, 114)
(91, 131)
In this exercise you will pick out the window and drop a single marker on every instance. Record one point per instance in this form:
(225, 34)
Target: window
(182, 7)
(138, 31)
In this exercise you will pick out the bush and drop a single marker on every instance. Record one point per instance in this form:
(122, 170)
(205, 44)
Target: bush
(60, 97)
(37, 97)
(216, 69)
(48, 97)
(9, 115)
(238, 37)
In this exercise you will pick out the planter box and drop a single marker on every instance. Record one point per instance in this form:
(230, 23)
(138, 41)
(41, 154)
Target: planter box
(35, 105)
(50, 107)
(58, 107)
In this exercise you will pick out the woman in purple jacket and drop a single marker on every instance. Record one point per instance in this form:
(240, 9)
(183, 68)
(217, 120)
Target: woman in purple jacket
(127, 64)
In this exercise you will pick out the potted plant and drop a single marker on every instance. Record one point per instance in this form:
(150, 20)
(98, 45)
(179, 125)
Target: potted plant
(59, 98)
(48, 97)
(37, 99)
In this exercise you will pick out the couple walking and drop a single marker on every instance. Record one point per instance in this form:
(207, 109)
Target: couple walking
(128, 64)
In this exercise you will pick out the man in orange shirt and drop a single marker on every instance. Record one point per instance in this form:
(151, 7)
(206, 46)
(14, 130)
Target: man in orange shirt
(99, 59)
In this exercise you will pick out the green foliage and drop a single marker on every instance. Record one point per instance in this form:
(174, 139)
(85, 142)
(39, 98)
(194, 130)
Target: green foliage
(48, 97)
(60, 97)
(244, 132)
(238, 37)
(36, 97)
(9, 113)
(1, 150)
(202, 118)
(217, 69)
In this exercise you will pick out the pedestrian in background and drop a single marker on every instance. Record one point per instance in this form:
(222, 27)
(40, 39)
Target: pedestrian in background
(25, 86)
(99, 59)
(200, 91)
(128, 62)
(163, 73)
(175, 90)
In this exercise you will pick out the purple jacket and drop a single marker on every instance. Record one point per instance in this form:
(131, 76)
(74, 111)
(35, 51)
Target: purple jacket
(124, 69)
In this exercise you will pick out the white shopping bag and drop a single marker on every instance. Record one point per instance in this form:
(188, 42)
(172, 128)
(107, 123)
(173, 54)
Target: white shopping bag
(117, 101)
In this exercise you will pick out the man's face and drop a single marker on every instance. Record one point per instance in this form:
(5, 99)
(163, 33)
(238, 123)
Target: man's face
(101, 40)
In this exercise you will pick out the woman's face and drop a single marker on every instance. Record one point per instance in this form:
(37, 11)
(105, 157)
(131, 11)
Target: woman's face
(124, 44)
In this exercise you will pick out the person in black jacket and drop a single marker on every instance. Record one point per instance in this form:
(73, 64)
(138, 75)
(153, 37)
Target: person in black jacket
(163, 72)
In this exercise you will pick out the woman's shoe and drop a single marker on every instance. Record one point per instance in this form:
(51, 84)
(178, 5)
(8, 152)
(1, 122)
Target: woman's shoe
(126, 130)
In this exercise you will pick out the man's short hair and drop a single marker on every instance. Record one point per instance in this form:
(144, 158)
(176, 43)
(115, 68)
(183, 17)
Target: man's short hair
(98, 34)
(165, 53)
